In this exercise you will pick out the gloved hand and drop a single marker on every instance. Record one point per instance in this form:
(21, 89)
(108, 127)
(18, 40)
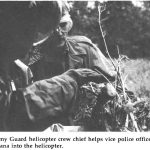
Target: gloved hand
(83, 76)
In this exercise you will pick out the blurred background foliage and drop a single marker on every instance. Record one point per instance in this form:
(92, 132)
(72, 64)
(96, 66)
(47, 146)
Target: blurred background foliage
(124, 23)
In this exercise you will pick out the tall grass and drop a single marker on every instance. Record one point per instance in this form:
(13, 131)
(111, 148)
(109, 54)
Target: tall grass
(138, 76)
(133, 75)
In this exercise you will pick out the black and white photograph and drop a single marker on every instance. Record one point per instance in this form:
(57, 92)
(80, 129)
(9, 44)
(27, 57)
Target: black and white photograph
(75, 66)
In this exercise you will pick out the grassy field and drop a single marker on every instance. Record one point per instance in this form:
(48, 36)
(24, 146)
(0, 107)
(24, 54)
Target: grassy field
(138, 76)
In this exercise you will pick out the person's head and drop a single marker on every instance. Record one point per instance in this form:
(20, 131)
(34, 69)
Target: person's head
(66, 23)
(21, 21)
(64, 26)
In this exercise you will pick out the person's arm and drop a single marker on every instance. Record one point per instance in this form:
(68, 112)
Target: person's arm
(98, 62)
(54, 96)
(95, 59)
(48, 98)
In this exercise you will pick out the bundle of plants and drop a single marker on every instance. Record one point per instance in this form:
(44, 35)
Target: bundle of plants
(111, 106)
(101, 107)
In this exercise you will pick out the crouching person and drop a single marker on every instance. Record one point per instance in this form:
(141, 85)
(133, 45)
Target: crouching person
(36, 106)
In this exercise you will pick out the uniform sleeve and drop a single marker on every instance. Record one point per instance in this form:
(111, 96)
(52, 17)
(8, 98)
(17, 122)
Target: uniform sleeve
(56, 96)
(50, 97)
(35, 107)
(47, 99)
(99, 62)
(94, 58)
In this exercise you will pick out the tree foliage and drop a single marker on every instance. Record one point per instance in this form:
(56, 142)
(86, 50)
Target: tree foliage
(125, 25)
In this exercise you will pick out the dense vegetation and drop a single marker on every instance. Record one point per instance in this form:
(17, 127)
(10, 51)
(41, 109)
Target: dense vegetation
(138, 76)
(125, 25)
(128, 27)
